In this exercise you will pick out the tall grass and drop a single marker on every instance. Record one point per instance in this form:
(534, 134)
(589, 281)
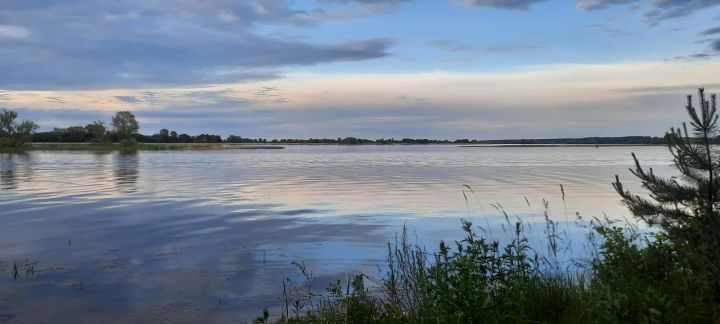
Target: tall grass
(628, 275)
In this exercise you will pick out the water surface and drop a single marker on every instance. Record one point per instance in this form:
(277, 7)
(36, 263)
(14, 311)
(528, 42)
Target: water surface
(203, 236)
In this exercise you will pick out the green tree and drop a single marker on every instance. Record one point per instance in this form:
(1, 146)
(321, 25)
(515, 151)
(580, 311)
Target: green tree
(76, 134)
(163, 136)
(96, 130)
(126, 126)
(686, 208)
(14, 134)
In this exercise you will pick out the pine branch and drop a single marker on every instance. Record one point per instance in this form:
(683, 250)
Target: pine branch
(663, 190)
(652, 213)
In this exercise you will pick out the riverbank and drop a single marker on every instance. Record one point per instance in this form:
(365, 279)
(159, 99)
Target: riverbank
(139, 146)
(555, 145)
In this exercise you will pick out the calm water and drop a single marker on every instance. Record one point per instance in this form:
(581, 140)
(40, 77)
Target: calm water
(209, 235)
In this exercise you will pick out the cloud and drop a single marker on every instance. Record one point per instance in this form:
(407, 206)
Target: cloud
(660, 9)
(588, 5)
(134, 43)
(58, 100)
(668, 9)
(14, 32)
(633, 98)
(711, 31)
(715, 45)
(376, 2)
(375, 5)
(514, 48)
(612, 32)
(450, 46)
(128, 99)
(713, 50)
(504, 4)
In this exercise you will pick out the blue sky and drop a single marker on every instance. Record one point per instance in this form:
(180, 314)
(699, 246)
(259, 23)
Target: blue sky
(366, 68)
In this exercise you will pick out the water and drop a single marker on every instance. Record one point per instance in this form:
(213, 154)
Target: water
(190, 236)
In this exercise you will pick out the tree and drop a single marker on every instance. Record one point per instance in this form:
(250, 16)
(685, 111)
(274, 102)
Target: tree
(14, 134)
(126, 126)
(75, 134)
(96, 130)
(163, 136)
(686, 208)
(7, 122)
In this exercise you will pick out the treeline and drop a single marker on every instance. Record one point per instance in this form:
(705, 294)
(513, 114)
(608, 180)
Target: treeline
(125, 130)
(95, 132)
(168, 136)
(357, 141)
(647, 140)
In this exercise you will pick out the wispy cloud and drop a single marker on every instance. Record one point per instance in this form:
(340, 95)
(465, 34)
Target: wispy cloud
(505, 4)
(128, 99)
(448, 45)
(668, 9)
(659, 11)
(514, 48)
(711, 31)
(453, 46)
(613, 32)
(715, 45)
(58, 100)
(601, 4)
(14, 32)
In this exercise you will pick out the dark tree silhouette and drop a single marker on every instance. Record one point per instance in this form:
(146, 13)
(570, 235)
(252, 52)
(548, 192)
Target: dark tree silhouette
(12, 133)
(686, 207)
(126, 126)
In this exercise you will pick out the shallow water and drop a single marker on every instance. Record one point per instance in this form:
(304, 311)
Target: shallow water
(190, 236)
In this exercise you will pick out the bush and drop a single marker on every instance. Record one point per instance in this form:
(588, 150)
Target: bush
(13, 134)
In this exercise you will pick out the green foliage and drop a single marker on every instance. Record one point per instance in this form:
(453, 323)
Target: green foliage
(687, 208)
(126, 126)
(13, 134)
(644, 279)
(636, 279)
(97, 131)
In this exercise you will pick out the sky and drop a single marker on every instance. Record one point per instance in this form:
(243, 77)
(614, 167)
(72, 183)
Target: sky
(479, 69)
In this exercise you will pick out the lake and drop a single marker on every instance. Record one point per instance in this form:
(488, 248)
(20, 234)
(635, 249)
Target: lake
(209, 236)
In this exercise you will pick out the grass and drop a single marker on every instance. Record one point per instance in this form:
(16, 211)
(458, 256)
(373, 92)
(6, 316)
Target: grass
(140, 146)
(630, 276)
(28, 269)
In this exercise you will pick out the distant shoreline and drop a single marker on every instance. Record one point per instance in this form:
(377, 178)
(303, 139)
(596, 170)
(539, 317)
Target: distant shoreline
(555, 145)
(139, 147)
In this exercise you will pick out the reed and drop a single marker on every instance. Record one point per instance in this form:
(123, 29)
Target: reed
(626, 275)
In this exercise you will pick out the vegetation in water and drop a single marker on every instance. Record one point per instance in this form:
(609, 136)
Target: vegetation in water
(12, 133)
(668, 276)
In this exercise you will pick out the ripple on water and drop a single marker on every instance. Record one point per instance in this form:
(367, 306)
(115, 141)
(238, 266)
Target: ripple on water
(175, 236)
